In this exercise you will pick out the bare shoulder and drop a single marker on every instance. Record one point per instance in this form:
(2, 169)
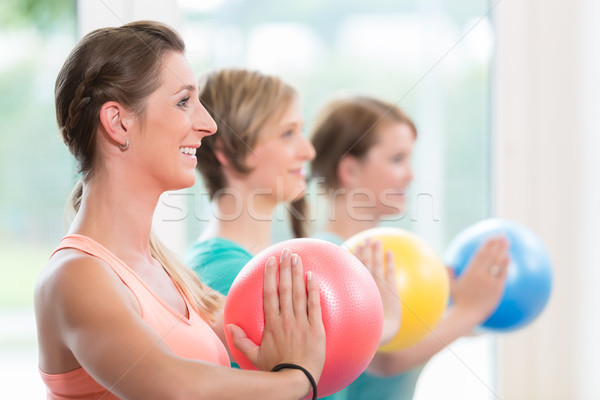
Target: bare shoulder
(74, 294)
(72, 285)
(72, 276)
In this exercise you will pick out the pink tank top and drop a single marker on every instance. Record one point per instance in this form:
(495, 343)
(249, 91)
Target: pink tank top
(190, 338)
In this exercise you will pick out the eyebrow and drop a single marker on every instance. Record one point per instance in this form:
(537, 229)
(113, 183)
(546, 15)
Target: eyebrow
(292, 124)
(191, 88)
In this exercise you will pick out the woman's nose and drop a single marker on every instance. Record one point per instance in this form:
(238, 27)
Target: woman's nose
(308, 150)
(203, 121)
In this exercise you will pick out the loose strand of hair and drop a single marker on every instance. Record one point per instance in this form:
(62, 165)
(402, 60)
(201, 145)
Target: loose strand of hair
(206, 301)
(299, 217)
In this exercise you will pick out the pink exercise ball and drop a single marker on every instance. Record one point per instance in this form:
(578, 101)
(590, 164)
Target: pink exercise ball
(350, 302)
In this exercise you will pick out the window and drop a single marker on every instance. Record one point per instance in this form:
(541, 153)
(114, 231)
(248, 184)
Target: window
(431, 58)
(36, 171)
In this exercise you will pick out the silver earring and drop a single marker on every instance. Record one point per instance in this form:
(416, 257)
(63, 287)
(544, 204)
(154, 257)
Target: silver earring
(124, 146)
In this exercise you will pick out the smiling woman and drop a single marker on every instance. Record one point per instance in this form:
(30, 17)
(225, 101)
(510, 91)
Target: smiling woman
(113, 305)
(352, 155)
(255, 163)
(176, 117)
(259, 156)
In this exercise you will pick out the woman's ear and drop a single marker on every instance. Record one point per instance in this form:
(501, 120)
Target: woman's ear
(347, 171)
(116, 121)
(220, 154)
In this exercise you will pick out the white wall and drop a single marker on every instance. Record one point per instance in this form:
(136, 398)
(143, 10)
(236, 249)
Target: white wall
(100, 13)
(547, 94)
(587, 346)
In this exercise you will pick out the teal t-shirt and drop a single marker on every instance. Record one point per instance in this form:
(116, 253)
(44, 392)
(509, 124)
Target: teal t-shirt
(329, 237)
(372, 387)
(397, 387)
(217, 262)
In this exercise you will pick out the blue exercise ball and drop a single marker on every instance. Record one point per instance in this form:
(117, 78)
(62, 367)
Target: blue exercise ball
(529, 275)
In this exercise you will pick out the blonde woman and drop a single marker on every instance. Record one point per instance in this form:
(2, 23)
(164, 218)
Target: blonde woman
(256, 162)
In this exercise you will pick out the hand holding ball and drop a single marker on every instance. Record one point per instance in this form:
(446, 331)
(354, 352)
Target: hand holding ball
(529, 279)
(421, 278)
(350, 305)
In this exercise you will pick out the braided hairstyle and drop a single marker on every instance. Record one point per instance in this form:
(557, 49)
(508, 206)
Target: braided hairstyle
(110, 64)
(124, 65)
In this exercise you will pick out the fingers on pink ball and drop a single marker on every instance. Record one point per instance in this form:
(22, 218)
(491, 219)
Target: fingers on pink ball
(421, 278)
(350, 302)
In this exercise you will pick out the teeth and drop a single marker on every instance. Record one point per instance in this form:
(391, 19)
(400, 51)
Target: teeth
(188, 150)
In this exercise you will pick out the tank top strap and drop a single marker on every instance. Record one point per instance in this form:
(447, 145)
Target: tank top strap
(140, 290)
(93, 248)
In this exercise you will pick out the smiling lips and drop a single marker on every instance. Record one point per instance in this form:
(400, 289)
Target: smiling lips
(188, 150)
(298, 172)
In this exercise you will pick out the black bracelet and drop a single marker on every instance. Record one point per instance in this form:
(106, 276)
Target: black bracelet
(308, 375)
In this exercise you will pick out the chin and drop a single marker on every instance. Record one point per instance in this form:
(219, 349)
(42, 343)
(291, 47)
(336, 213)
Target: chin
(184, 182)
(294, 192)
(190, 182)
(396, 208)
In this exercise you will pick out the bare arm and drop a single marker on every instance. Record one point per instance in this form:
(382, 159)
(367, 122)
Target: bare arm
(476, 295)
(87, 317)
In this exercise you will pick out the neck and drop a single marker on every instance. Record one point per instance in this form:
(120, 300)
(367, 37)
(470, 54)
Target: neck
(109, 216)
(346, 221)
(247, 223)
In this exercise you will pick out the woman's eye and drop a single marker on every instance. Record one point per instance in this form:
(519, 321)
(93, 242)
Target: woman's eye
(398, 158)
(287, 133)
(183, 102)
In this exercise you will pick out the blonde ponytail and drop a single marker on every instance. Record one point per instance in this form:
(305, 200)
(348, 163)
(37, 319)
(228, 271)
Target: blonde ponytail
(206, 301)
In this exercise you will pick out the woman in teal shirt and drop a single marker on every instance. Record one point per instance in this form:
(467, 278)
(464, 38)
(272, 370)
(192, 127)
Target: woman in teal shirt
(255, 162)
(364, 148)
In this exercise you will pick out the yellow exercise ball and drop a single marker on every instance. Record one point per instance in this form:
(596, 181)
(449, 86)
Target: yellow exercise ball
(422, 280)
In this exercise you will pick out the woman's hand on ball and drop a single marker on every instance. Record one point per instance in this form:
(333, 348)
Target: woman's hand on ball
(479, 289)
(294, 331)
(371, 255)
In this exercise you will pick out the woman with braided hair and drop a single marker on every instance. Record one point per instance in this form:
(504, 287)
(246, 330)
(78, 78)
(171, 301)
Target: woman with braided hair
(118, 316)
